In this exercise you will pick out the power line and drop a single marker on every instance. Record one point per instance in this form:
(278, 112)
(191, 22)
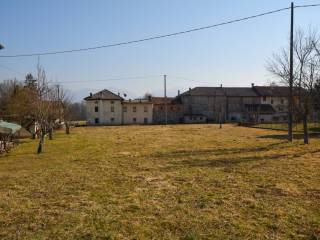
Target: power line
(109, 79)
(156, 37)
(307, 5)
(132, 78)
(145, 39)
(189, 79)
(12, 70)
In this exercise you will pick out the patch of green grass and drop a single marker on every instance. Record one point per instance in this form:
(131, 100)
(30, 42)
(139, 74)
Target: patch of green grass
(162, 182)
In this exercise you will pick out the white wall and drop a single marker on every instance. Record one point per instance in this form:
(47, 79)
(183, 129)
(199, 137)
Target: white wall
(277, 103)
(104, 113)
(140, 113)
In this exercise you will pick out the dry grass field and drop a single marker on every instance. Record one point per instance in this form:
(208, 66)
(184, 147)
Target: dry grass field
(158, 182)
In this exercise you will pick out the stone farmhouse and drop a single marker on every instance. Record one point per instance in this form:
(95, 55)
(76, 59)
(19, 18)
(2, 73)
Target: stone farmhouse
(255, 104)
(197, 105)
(107, 108)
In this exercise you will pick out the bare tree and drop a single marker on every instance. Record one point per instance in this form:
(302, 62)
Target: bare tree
(44, 106)
(65, 104)
(305, 73)
(147, 96)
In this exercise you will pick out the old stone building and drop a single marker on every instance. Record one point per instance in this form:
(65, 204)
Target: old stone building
(104, 107)
(235, 104)
(107, 108)
(197, 105)
(175, 111)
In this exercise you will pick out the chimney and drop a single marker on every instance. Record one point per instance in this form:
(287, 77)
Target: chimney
(221, 85)
(189, 89)
(252, 85)
(178, 92)
(118, 94)
(91, 94)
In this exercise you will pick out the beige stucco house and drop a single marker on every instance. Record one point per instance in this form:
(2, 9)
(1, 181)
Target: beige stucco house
(107, 108)
(137, 111)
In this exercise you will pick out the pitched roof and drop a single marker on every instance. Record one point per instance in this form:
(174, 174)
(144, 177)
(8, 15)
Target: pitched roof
(161, 100)
(222, 91)
(273, 91)
(103, 95)
(145, 101)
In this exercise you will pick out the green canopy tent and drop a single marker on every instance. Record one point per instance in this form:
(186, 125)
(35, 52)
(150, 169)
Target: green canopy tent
(7, 131)
(7, 128)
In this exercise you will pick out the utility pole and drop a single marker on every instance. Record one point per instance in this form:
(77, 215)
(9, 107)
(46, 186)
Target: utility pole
(290, 117)
(165, 99)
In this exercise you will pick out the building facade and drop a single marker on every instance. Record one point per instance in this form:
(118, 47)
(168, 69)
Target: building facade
(107, 108)
(224, 104)
(137, 111)
(170, 108)
(198, 105)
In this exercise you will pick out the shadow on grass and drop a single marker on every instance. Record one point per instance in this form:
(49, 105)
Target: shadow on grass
(228, 157)
(227, 162)
(285, 136)
(234, 160)
(220, 151)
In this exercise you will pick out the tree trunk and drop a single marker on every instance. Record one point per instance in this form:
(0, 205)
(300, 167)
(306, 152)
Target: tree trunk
(41, 142)
(305, 129)
(67, 128)
(50, 133)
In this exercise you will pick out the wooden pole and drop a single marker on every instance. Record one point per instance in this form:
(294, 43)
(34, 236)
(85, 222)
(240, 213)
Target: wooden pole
(165, 99)
(290, 117)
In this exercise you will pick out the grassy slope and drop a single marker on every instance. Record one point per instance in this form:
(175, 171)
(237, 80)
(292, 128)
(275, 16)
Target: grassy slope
(157, 182)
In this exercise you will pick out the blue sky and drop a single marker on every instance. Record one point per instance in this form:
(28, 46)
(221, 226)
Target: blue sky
(232, 55)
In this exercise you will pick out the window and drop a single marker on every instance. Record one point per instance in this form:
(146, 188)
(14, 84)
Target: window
(145, 109)
(134, 120)
(264, 98)
(134, 108)
(200, 118)
(145, 120)
(271, 101)
(112, 102)
(96, 109)
(282, 101)
(124, 108)
(112, 119)
(96, 120)
(112, 108)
